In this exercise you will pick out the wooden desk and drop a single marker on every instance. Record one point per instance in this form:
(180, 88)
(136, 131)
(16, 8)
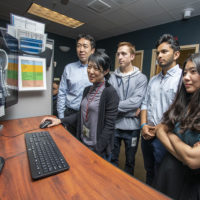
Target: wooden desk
(89, 178)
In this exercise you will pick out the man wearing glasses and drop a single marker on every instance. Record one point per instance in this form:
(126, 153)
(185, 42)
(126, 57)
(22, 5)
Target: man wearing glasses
(75, 79)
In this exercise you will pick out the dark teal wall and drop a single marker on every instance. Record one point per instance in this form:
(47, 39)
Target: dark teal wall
(62, 58)
(188, 32)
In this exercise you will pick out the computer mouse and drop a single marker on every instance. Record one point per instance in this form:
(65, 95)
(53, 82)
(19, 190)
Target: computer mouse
(2, 162)
(45, 123)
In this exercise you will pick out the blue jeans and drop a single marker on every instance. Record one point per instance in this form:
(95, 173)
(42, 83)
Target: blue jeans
(153, 153)
(131, 139)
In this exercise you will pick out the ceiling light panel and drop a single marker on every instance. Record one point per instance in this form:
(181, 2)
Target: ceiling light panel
(54, 16)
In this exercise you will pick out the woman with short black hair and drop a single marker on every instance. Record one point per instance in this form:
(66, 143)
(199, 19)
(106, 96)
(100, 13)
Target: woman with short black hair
(95, 120)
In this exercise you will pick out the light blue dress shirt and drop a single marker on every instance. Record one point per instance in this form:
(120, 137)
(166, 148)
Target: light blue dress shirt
(160, 94)
(74, 80)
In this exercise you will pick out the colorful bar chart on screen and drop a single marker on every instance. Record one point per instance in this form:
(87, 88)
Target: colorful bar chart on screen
(12, 71)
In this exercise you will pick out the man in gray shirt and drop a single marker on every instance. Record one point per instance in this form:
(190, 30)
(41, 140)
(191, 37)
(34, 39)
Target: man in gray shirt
(130, 84)
(160, 94)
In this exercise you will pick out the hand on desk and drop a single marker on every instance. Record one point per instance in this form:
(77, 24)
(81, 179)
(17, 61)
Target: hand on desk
(55, 121)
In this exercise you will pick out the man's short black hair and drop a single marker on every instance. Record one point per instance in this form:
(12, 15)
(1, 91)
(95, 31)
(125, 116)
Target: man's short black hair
(170, 40)
(56, 82)
(87, 37)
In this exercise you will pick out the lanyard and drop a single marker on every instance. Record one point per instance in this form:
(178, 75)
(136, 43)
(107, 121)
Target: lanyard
(125, 93)
(91, 99)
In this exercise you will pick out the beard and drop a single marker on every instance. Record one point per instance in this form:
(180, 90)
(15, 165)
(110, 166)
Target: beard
(167, 64)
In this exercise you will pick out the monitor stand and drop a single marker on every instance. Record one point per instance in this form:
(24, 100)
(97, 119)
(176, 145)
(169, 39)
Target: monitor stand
(2, 161)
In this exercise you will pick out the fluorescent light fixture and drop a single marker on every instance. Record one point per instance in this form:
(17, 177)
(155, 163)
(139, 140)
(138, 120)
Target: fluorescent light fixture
(54, 16)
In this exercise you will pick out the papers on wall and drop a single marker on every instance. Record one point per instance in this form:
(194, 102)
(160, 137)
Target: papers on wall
(27, 24)
(11, 30)
(11, 42)
(27, 72)
(29, 33)
(31, 42)
(32, 73)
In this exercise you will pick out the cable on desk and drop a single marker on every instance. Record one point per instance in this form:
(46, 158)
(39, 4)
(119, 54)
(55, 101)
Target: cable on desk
(8, 158)
(12, 136)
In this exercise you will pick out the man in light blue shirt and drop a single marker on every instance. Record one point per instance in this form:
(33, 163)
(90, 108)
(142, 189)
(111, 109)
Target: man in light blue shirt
(75, 79)
(160, 94)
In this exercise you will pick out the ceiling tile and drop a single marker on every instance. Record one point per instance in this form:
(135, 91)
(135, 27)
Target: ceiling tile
(123, 17)
(144, 8)
(135, 26)
(103, 24)
(80, 14)
(179, 14)
(119, 30)
(157, 19)
(176, 4)
(123, 2)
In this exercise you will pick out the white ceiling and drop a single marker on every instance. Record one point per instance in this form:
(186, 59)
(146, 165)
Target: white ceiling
(123, 15)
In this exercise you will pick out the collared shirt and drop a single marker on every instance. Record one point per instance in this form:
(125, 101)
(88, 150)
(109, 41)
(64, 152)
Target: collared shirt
(74, 80)
(160, 94)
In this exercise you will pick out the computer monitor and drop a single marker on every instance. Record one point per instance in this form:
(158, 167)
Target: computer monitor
(10, 45)
(8, 74)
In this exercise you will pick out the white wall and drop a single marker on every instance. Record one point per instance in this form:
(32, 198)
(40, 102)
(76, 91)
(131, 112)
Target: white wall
(33, 103)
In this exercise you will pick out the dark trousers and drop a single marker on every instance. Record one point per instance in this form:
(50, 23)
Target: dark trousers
(105, 156)
(153, 153)
(131, 139)
(70, 127)
(55, 112)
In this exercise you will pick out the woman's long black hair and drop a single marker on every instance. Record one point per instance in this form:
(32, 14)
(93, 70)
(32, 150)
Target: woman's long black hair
(186, 107)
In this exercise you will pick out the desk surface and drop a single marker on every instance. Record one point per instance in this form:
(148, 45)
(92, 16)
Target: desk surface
(89, 176)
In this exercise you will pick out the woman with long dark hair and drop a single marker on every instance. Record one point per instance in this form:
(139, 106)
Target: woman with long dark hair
(95, 120)
(179, 173)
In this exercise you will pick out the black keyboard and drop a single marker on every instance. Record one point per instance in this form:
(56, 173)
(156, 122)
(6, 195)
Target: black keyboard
(45, 158)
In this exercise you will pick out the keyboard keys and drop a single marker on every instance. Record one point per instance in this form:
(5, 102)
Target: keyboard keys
(45, 158)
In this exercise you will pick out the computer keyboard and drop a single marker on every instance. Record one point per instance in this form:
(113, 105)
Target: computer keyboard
(45, 158)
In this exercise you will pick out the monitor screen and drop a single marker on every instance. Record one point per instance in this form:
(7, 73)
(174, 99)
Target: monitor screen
(10, 45)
